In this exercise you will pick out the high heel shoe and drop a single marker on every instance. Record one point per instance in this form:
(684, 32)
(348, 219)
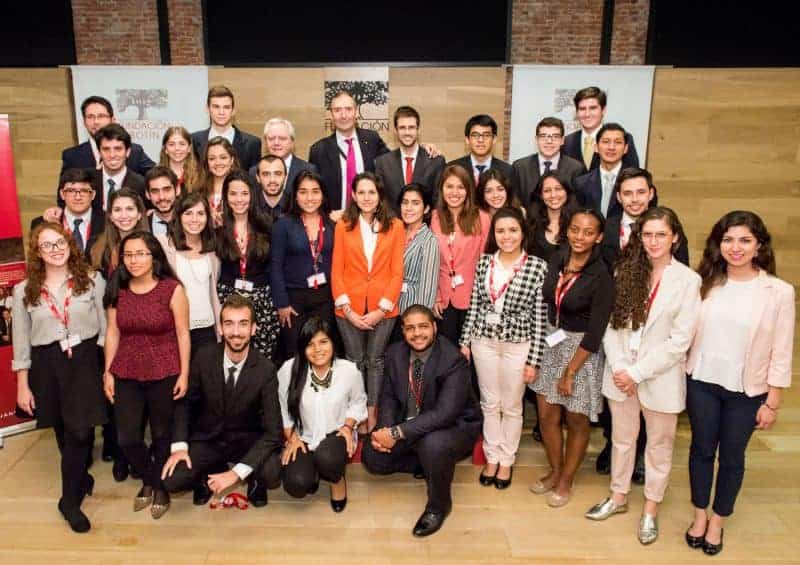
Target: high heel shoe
(76, 519)
(338, 505)
(160, 504)
(487, 480)
(713, 548)
(502, 484)
(695, 542)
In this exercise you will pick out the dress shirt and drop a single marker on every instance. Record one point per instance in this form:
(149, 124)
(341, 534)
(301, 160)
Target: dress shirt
(69, 223)
(118, 179)
(553, 163)
(288, 163)
(95, 151)
(228, 134)
(341, 142)
(593, 135)
(324, 410)
(411, 409)
(159, 225)
(607, 181)
(370, 239)
(36, 325)
(487, 163)
(413, 155)
(626, 225)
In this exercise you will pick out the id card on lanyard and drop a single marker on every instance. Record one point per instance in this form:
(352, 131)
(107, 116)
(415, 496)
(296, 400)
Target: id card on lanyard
(242, 283)
(317, 279)
(493, 317)
(69, 341)
(456, 279)
(562, 288)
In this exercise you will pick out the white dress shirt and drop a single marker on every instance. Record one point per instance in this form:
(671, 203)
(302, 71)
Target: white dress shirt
(626, 227)
(117, 178)
(228, 134)
(553, 162)
(343, 148)
(84, 228)
(413, 155)
(369, 239)
(487, 162)
(607, 180)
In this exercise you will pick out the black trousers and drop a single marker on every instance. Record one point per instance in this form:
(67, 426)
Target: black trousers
(200, 337)
(328, 462)
(437, 453)
(605, 423)
(724, 420)
(131, 399)
(74, 445)
(451, 323)
(210, 457)
(307, 302)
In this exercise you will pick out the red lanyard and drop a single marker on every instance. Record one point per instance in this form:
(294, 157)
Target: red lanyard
(416, 390)
(88, 228)
(652, 297)
(63, 318)
(451, 260)
(496, 295)
(234, 499)
(242, 252)
(561, 291)
(316, 253)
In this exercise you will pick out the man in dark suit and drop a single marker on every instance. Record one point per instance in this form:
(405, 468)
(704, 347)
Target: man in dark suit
(590, 107)
(345, 153)
(274, 197)
(595, 189)
(279, 140)
(528, 170)
(480, 134)
(221, 110)
(409, 163)
(428, 415)
(98, 113)
(161, 191)
(230, 415)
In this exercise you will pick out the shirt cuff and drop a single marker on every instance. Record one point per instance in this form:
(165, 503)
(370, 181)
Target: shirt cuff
(20, 365)
(636, 375)
(242, 471)
(342, 300)
(178, 446)
(386, 304)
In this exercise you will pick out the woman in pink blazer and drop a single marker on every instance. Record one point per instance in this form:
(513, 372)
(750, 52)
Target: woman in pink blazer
(739, 363)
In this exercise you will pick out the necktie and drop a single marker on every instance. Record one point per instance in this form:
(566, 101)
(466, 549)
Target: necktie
(608, 187)
(480, 169)
(588, 151)
(351, 169)
(416, 375)
(111, 185)
(230, 384)
(76, 232)
(409, 169)
(547, 165)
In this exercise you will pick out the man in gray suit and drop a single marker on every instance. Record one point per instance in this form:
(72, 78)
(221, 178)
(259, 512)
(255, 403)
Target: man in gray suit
(408, 163)
(279, 140)
(528, 170)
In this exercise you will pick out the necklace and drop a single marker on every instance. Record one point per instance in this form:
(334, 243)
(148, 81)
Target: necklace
(324, 382)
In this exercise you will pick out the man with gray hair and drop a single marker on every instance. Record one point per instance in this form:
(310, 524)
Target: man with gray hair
(279, 141)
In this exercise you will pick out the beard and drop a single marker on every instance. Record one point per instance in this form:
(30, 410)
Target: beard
(236, 349)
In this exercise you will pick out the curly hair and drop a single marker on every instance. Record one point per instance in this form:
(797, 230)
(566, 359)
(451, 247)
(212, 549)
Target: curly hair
(633, 270)
(37, 270)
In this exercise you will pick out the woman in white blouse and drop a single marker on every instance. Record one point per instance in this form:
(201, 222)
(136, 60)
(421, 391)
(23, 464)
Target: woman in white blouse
(322, 401)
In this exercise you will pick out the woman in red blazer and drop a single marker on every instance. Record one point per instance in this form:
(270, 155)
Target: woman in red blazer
(367, 275)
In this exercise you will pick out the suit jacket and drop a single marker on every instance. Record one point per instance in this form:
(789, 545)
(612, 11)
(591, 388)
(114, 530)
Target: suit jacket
(572, 147)
(247, 146)
(497, 164)
(324, 155)
(390, 167)
(526, 174)
(82, 157)
(132, 180)
(295, 168)
(768, 359)
(254, 415)
(611, 250)
(448, 398)
(98, 224)
(660, 364)
(589, 192)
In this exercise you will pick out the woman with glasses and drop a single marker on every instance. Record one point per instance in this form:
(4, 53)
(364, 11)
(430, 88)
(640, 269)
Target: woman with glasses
(58, 323)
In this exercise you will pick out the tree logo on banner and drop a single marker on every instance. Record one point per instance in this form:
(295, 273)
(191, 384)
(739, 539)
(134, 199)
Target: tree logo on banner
(371, 98)
(564, 108)
(141, 99)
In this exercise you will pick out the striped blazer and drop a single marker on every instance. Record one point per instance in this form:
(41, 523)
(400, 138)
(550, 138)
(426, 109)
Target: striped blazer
(524, 315)
(420, 270)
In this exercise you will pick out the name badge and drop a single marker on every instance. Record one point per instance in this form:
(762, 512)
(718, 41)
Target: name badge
(316, 280)
(458, 280)
(69, 342)
(493, 318)
(404, 288)
(555, 338)
(243, 284)
(635, 341)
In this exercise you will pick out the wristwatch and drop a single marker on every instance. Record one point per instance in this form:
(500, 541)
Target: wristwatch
(395, 432)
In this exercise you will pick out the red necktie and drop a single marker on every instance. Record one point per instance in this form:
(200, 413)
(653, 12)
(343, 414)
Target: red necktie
(409, 169)
(351, 170)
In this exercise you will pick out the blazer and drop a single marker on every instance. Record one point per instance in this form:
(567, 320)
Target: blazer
(497, 164)
(353, 283)
(98, 225)
(247, 146)
(448, 398)
(254, 415)
(297, 166)
(390, 167)
(172, 258)
(324, 155)
(82, 157)
(132, 180)
(659, 367)
(768, 360)
(589, 192)
(572, 147)
(526, 174)
(611, 250)
(524, 314)
(420, 270)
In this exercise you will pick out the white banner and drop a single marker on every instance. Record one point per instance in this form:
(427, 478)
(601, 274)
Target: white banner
(542, 90)
(146, 99)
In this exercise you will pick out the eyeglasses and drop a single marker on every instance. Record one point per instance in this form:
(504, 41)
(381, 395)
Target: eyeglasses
(127, 256)
(77, 191)
(549, 136)
(57, 245)
(477, 135)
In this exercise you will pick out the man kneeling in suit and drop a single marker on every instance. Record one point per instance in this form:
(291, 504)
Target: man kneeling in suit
(230, 414)
(428, 415)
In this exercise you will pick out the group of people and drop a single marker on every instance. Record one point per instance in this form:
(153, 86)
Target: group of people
(262, 314)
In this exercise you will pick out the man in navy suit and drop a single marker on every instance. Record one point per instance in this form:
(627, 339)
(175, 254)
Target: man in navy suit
(279, 139)
(409, 163)
(480, 134)
(98, 113)
(221, 110)
(590, 108)
(595, 189)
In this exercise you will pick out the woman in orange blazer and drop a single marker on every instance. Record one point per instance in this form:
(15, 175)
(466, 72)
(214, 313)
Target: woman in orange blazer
(367, 275)
(739, 363)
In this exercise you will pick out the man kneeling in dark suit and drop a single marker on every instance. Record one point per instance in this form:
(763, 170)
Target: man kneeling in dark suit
(428, 415)
(230, 414)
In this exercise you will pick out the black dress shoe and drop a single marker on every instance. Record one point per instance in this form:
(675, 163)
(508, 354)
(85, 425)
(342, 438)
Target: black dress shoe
(712, 548)
(638, 470)
(120, 470)
(76, 519)
(429, 523)
(201, 494)
(257, 493)
(695, 542)
(603, 463)
(502, 484)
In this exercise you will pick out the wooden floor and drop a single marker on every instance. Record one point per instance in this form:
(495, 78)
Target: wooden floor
(486, 526)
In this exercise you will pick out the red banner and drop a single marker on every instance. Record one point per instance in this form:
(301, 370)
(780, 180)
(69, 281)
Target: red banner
(12, 270)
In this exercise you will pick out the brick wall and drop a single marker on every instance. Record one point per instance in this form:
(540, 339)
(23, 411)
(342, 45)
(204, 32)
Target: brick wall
(629, 37)
(186, 32)
(116, 32)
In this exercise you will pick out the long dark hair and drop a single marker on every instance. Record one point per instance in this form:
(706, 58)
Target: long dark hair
(601, 225)
(424, 193)
(104, 250)
(506, 212)
(122, 277)
(383, 213)
(259, 225)
(493, 174)
(294, 207)
(311, 327)
(469, 218)
(206, 183)
(207, 236)
(633, 270)
(537, 211)
(713, 268)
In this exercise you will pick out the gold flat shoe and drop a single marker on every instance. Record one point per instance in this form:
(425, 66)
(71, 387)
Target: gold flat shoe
(158, 509)
(648, 529)
(606, 509)
(555, 500)
(143, 499)
(540, 488)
